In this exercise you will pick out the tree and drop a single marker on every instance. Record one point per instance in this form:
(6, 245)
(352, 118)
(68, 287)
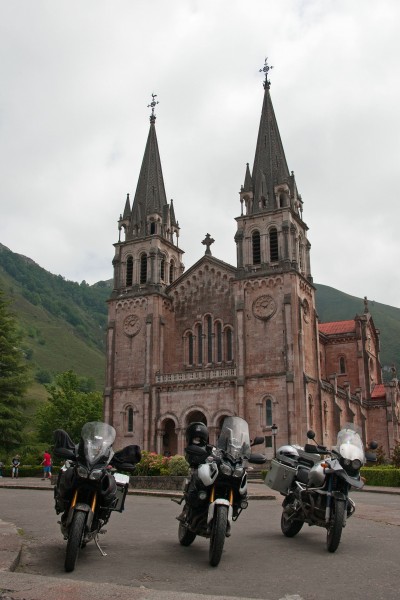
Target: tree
(67, 407)
(14, 380)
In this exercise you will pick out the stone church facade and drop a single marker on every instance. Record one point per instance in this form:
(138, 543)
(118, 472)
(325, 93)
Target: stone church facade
(245, 339)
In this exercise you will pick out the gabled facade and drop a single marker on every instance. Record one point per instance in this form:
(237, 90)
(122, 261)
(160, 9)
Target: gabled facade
(218, 339)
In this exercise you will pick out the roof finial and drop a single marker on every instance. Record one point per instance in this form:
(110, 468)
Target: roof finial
(207, 242)
(152, 105)
(265, 70)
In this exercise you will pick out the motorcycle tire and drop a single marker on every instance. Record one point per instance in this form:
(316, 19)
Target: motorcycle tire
(185, 536)
(74, 542)
(335, 527)
(290, 527)
(218, 533)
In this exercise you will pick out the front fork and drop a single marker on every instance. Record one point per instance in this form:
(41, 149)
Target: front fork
(220, 501)
(340, 497)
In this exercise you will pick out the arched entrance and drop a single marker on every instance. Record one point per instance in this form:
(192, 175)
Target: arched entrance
(169, 438)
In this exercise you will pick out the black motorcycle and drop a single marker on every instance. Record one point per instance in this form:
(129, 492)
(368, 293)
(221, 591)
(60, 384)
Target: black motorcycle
(216, 492)
(316, 483)
(88, 486)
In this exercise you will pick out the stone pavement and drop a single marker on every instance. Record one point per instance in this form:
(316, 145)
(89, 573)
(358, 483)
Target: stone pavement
(25, 586)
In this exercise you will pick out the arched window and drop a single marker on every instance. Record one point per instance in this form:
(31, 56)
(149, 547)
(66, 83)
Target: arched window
(171, 271)
(199, 344)
(219, 342)
(143, 268)
(273, 245)
(342, 365)
(129, 270)
(153, 228)
(229, 345)
(130, 420)
(190, 348)
(256, 247)
(209, 339)
(162, 269)
(268, 412)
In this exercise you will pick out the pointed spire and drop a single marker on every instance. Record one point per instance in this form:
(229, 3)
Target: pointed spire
(270, 167)
(127, 210)
(248, 182)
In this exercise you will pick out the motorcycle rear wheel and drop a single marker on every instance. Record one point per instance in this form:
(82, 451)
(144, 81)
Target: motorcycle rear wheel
(74, 542)
(290, 527)
(218, 533)
(185, 536)
(335, 528)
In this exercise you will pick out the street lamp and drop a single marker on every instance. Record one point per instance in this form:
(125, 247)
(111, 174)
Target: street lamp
(274, 431)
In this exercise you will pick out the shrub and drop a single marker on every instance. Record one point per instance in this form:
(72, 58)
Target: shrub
(155, 464)
(383, 475)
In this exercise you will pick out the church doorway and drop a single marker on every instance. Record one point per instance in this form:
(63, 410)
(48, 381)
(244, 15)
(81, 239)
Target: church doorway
(169, 439)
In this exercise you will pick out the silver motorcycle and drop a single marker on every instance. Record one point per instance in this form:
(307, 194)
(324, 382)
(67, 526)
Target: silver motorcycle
(316, 482)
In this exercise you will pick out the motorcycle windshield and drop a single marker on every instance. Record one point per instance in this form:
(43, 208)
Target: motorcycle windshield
(235, 438)
(349, 445)
(97, 440)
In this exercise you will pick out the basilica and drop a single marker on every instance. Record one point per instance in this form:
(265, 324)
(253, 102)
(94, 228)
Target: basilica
(218, 339)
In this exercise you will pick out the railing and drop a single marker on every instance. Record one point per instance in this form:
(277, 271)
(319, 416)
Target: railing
(196, 375)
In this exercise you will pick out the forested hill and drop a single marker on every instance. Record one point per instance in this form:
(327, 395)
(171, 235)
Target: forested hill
(64, 322)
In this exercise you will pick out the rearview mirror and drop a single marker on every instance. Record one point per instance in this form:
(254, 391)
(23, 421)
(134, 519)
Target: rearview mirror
(257, 440)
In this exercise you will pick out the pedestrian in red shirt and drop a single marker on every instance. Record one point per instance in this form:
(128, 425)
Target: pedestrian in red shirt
(46, 462)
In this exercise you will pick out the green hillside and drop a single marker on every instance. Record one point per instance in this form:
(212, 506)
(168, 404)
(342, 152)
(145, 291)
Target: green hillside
(63, 322)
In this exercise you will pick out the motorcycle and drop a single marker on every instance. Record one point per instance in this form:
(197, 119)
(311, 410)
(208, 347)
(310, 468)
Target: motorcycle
(88, 487)
(316, 483)
(216, 492)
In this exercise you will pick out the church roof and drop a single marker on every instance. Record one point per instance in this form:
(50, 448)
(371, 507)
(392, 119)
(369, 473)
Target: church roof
(337, 327)
(378, 391)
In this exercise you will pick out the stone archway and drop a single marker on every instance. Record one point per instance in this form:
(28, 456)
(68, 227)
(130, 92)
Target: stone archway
(169, 438)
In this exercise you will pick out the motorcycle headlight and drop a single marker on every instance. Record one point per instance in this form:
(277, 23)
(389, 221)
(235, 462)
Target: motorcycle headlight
(96, 474)
(82, 472)
(238, 472)
(225, 469)
(356, 464)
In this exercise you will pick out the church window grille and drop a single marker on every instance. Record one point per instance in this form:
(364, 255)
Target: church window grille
(129, 271)
(171, 271)
(342, 365)
(199, 344)
(273, 245)
(209, 339)
(219, 342)
(311, 411)
(268, 412)
(256, 248)
(130, 420)
(143, 268)
(229, 345)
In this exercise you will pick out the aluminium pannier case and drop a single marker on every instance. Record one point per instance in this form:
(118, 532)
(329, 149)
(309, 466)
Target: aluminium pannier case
(122, 482)
(280, 477)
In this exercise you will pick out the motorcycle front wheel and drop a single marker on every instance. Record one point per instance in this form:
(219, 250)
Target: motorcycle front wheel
(335, 527)
(185, 536)
(290, 527)
(218, 533)
(74, 542)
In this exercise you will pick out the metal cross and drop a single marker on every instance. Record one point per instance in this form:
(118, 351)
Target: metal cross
(152, 105)
(266, 68)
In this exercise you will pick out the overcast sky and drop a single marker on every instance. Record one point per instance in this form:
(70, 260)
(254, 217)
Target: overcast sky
(77, 76)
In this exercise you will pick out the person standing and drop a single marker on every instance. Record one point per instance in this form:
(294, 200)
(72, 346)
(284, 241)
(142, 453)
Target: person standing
(15, 463)
(46, 462)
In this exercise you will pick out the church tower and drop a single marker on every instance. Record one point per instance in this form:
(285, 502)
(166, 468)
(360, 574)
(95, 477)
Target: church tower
(146, 261)
(276, 321)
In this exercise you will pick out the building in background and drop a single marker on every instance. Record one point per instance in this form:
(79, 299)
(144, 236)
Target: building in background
(220, 339)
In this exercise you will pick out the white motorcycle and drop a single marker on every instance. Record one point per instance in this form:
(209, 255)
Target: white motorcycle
(216, 492)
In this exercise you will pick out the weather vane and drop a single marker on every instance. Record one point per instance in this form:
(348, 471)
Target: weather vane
(152, 105)
(265, 70)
